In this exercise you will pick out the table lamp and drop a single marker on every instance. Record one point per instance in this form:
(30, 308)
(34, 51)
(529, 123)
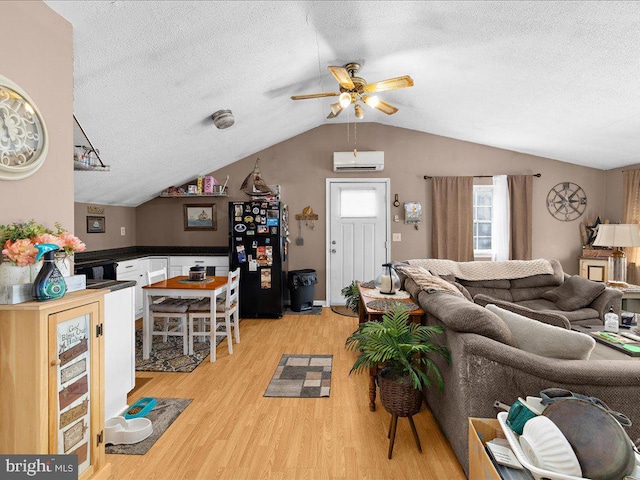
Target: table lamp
(617, 235)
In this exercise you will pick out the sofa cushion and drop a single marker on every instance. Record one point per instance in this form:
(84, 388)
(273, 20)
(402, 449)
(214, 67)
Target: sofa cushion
(426, 281)
(545, 340)
(460, 315)
(452, 280)
(576, 292)
(543, 305)
(552, 280)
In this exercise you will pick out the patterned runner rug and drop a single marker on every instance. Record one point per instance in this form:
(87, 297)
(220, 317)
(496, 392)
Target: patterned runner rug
(167, 356)
(162, 415)
(306, 376)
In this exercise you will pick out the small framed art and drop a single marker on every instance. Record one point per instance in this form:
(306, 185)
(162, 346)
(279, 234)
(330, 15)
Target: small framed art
(95, 224)
(200, 216)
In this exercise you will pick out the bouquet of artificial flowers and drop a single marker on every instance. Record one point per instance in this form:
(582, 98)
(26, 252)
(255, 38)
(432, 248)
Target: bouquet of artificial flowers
(19, 240)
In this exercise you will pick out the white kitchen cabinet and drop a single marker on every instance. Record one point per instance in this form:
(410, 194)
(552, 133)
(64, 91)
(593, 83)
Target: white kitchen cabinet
(119, 350)
(129, 270)
(156, 263)
(180, 265)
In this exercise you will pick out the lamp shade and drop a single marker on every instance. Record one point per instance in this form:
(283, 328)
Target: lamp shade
(617, 235)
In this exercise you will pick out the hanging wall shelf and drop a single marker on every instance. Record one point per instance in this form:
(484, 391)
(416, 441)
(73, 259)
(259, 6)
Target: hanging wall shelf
(85, 157)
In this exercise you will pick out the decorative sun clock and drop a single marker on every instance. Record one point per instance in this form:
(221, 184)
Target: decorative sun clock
(566, 201)
(24, 140)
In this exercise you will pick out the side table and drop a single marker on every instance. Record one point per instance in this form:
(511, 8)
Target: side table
(368, 314)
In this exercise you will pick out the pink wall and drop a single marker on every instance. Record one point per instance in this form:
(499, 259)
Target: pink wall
(38, 56)
(115, 219)
(301, 165)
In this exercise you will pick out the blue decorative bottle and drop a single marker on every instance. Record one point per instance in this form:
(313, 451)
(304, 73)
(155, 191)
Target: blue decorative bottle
(49, 283)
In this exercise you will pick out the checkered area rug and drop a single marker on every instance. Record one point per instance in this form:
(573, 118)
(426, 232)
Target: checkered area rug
(301, 376)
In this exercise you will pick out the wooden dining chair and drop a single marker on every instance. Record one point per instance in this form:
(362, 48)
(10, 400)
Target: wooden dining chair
(172, 312)
(227, 317)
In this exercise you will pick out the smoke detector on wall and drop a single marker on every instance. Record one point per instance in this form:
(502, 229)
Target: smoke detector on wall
(223, 119)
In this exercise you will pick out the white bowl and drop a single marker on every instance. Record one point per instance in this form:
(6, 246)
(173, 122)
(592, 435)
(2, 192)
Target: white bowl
(119, 430)
(546, 446)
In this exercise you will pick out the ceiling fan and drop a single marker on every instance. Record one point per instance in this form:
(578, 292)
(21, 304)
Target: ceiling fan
(353, 89)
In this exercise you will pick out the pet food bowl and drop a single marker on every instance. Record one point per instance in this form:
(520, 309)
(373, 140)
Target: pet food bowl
(140, 408)
(119, 430)
(546, 446)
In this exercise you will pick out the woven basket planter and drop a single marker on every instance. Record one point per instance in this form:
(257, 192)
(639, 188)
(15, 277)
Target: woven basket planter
(399, 397)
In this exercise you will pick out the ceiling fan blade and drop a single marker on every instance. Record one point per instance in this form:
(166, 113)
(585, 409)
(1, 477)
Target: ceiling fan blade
(336, 109)
(314, 95)
(342, 76)
(385, 107)
(390, 84)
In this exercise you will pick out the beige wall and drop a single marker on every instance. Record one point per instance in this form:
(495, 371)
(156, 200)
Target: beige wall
(301, 165)
(38, 56)
(615, 189)
(115, 219)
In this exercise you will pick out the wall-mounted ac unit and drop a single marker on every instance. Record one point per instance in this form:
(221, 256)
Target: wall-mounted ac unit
(358, 162)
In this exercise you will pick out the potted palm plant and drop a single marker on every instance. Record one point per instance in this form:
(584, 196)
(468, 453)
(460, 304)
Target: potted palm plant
(351, 295)
(403, 349)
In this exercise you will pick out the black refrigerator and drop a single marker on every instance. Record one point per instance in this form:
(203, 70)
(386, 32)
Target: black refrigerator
(257, 244)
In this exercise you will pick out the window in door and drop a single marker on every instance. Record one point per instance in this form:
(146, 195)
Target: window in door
(359, 203)
(482, 210)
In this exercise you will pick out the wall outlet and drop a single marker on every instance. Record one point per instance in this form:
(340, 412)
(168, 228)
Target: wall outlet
(396, 218)
(397, 237)
(122, 231)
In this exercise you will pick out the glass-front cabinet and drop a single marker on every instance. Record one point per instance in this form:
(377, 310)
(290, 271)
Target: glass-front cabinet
(55, 404)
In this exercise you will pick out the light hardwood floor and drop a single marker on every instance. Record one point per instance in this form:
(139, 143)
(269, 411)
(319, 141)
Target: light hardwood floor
(230, 431)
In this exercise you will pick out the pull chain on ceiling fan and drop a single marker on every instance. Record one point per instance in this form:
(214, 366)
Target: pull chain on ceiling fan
(353, 89)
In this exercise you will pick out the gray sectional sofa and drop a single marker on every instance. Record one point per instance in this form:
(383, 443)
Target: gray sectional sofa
(486, 366)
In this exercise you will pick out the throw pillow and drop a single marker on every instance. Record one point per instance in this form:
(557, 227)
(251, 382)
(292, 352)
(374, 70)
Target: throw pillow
(575, 293)
(545, 340)
(426, 281)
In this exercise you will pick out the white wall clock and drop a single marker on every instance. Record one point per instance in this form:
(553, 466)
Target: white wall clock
(566, 201)
(24, 140)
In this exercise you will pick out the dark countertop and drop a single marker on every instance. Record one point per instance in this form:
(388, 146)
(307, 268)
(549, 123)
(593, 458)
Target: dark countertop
(112, 285)
(122, 254)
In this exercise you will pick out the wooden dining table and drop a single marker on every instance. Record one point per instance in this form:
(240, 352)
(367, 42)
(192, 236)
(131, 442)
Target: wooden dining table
(180, 287)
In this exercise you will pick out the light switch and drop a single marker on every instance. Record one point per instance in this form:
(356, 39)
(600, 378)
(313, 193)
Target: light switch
(122, 231)
(397, 237)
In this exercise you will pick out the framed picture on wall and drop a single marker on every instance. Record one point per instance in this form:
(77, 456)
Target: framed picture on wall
(200, 216)
(95, 224)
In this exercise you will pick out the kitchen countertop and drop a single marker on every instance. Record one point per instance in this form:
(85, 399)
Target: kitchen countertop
(112, 285)
(122, 254)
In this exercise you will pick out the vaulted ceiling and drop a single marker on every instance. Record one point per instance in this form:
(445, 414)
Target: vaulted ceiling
(554, 79)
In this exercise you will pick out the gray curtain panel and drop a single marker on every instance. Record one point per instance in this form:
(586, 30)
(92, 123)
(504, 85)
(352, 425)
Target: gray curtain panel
(631, 214)
(452, 218)
(521, 220)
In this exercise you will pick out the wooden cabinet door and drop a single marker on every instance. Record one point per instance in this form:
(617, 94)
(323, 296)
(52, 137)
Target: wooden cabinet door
(75, 400)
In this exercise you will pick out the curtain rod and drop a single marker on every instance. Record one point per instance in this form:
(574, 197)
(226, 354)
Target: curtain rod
(427, 177)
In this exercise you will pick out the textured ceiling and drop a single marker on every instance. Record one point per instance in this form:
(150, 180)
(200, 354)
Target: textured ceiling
(555, 79)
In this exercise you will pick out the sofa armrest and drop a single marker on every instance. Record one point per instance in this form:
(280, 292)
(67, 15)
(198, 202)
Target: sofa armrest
(604, 301)
(555, 319)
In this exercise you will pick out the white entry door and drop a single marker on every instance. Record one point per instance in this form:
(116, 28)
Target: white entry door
(358, 232)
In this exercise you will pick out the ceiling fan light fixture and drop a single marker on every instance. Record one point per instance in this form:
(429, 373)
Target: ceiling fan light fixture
(372, 101)
(345, 99)
(336, 108)
(223, 119)
(359, 111)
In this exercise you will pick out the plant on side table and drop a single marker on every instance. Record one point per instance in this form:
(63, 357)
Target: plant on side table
(403, 350)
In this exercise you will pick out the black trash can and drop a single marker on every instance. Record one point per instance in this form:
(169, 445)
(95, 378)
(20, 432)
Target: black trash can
(301, 289)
